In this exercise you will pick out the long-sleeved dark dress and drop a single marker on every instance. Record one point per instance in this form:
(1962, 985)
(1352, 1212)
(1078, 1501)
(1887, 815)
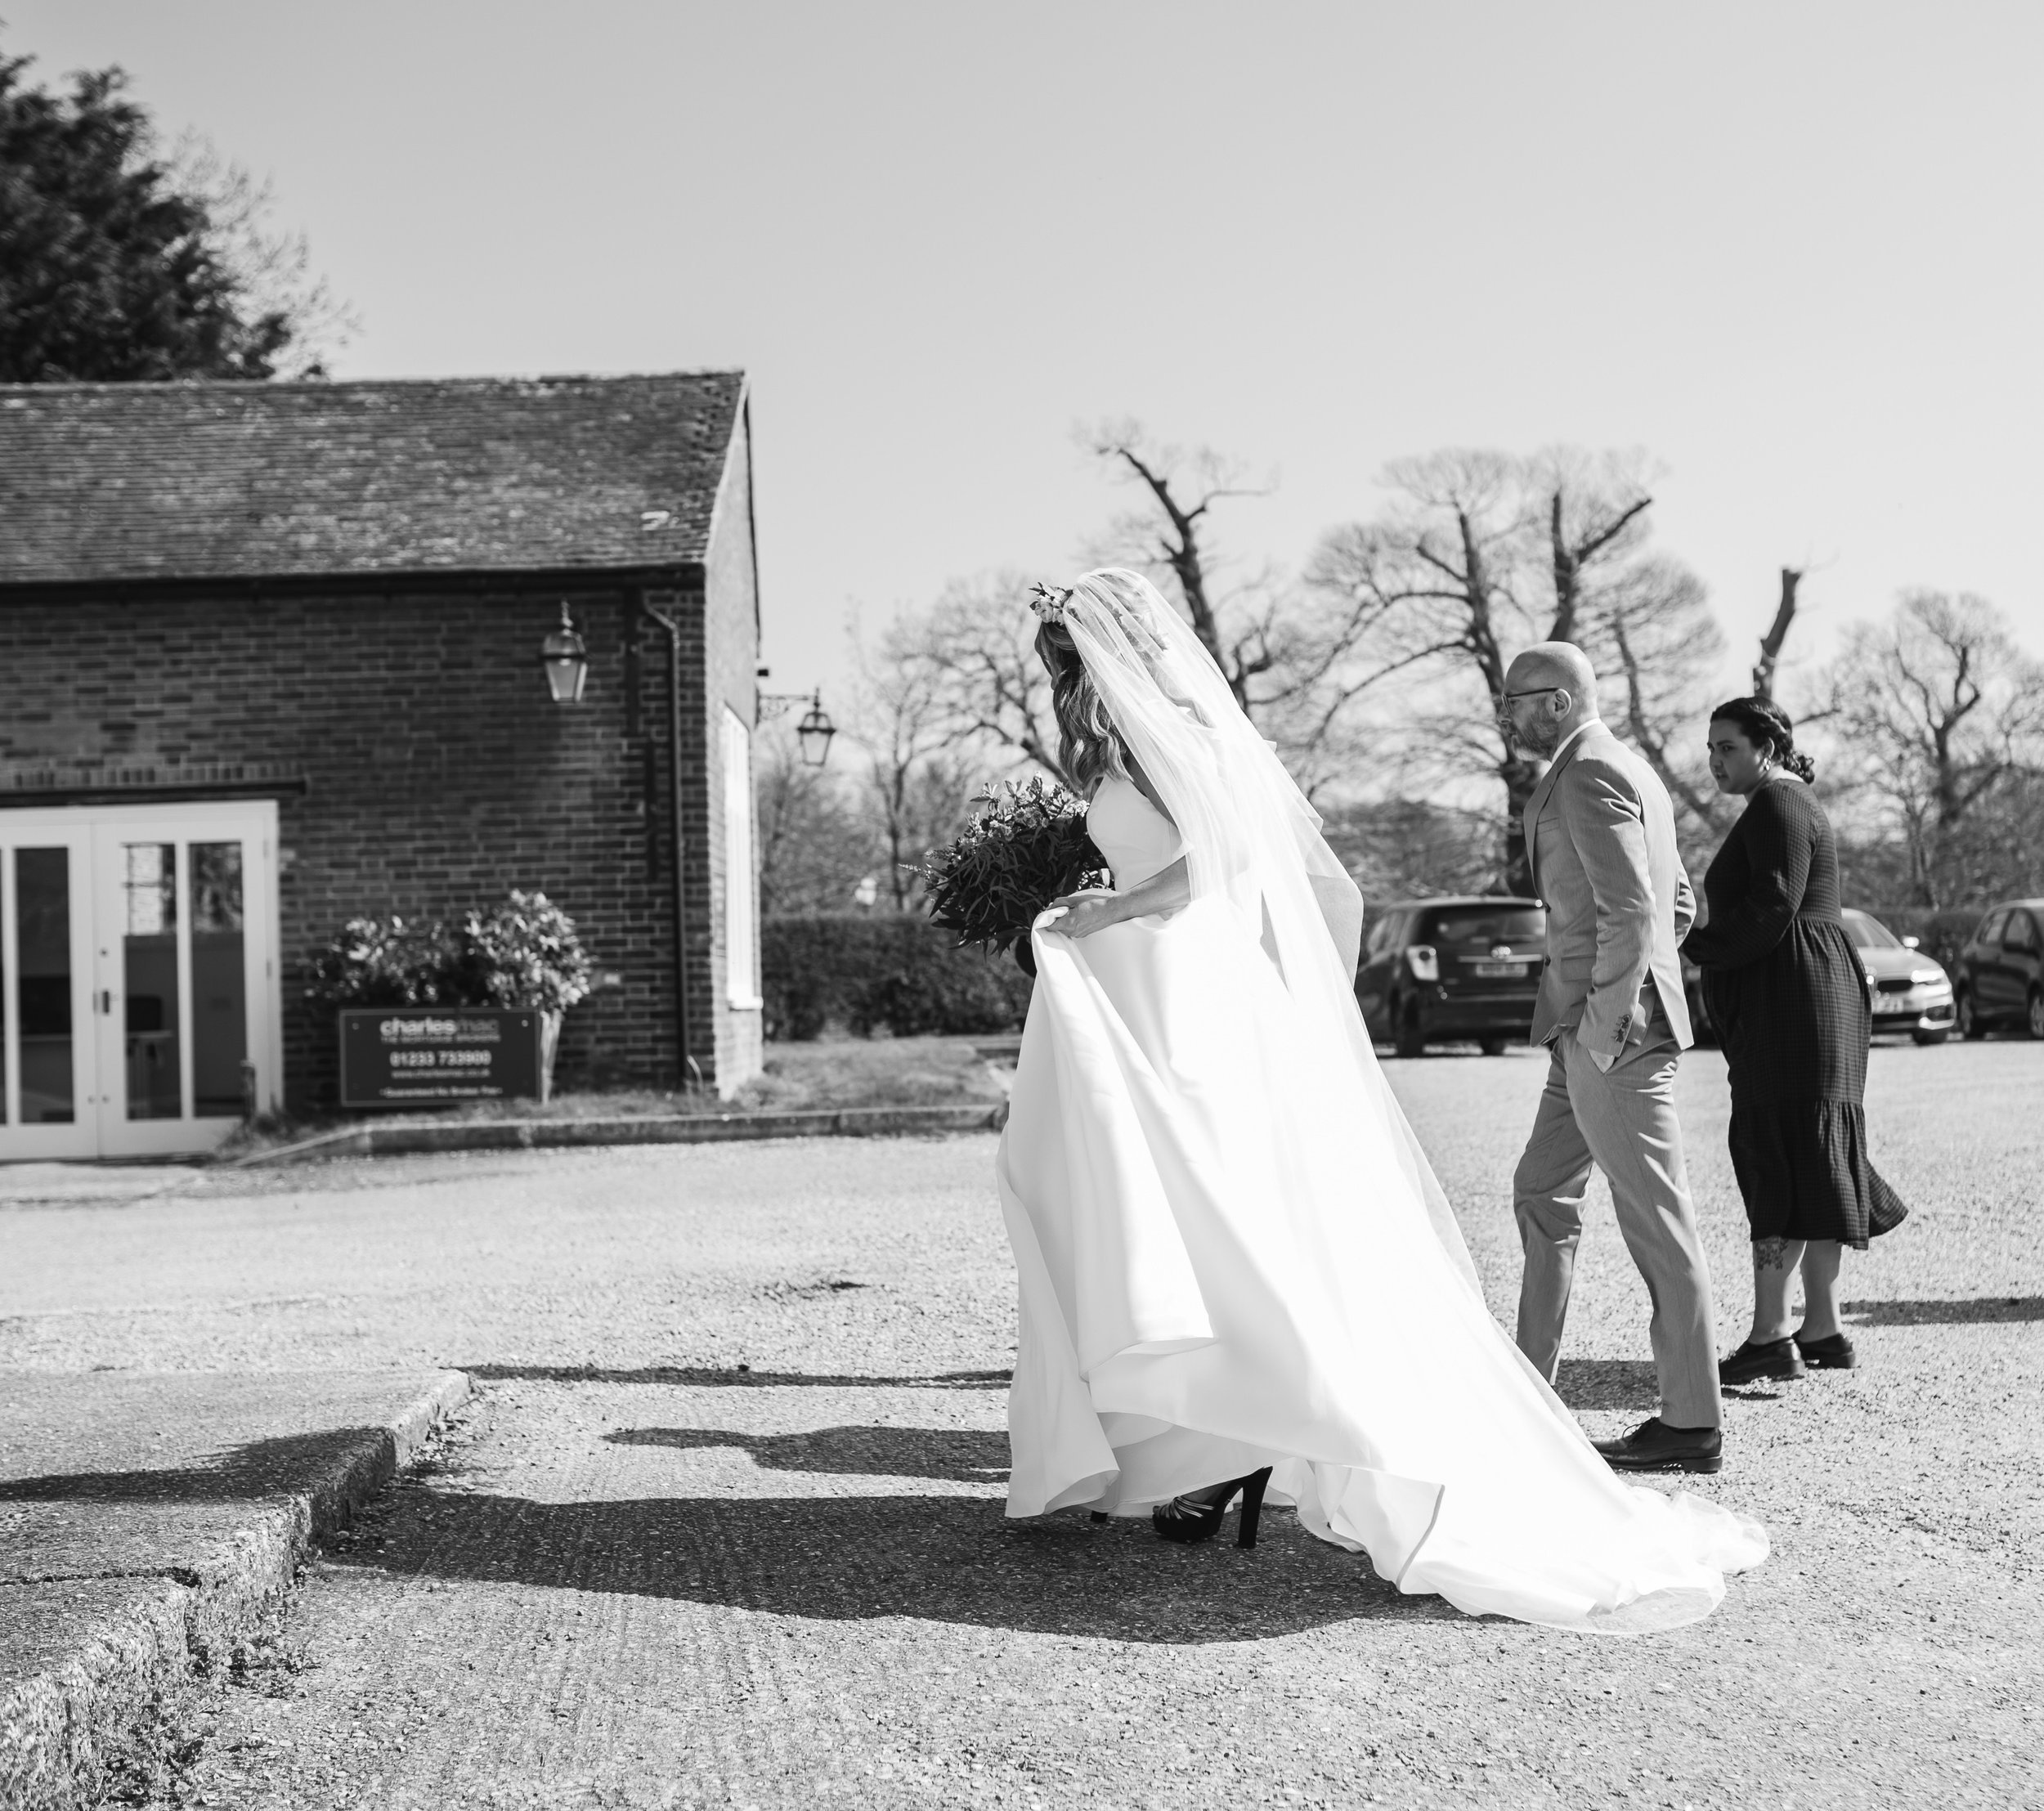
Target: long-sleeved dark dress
(1786, 991)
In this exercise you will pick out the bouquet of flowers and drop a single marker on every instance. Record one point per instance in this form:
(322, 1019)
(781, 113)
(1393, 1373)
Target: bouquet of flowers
(1025, 846)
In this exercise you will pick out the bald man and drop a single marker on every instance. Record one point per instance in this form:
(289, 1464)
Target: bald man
(1600, 840)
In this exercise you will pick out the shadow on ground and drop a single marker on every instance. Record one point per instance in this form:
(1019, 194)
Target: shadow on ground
(962, 1454)
(744, 1377)
(945, 1559)
(1607, 1384)
(1946, 1314)
(261, 1468)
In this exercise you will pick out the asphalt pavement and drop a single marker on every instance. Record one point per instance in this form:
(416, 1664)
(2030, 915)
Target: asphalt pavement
(722, 1525)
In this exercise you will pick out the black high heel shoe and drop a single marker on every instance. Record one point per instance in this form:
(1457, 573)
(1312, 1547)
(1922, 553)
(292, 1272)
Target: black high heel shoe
(1196, 1516)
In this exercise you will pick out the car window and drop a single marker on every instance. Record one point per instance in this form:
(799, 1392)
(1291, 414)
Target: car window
(1382, 933)
(1870, 932)
(1488, 925)
(1990, 931)
(2022, 932)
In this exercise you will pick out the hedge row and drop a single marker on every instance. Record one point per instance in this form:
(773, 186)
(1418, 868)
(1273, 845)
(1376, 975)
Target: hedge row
(893, 971)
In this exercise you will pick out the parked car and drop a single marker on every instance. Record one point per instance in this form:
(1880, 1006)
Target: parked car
(2002, 971)
(1908, 991)
(1437, 971)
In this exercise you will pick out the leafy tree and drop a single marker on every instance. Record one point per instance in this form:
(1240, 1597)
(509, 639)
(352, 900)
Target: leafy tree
(117, 265)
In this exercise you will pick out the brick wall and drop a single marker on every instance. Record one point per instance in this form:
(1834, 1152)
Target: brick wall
(437, 772)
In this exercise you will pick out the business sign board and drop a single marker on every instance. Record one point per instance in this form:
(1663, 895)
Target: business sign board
(415, 1057)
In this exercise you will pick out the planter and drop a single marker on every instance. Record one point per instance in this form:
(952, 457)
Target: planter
(549, 1044)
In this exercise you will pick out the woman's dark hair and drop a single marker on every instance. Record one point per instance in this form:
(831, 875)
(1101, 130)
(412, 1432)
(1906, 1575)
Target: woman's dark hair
(1770, 729)
(1088, 748)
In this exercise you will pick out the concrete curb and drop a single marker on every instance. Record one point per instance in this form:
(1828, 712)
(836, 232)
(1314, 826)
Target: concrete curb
(60, 1730)
(705, 1128)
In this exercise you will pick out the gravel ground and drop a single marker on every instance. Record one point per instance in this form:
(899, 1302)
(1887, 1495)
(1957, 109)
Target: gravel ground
(724, 1528)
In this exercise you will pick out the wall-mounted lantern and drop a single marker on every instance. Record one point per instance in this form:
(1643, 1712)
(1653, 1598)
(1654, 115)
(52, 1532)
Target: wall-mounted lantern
(566, 657)
(814, 732)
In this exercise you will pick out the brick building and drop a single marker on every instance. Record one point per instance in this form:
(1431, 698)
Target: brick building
(274, 656)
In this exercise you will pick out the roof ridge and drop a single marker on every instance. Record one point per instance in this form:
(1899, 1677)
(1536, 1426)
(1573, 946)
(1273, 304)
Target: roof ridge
(265, 385)
(130, 482)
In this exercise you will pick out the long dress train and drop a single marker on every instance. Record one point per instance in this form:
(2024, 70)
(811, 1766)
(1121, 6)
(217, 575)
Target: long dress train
(1223, 1263)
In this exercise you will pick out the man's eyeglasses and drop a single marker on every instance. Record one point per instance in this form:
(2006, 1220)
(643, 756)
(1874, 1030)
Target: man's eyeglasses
(1505, 703)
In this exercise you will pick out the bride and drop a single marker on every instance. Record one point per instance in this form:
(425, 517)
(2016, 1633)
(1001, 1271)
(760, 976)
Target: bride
(1237, 1273)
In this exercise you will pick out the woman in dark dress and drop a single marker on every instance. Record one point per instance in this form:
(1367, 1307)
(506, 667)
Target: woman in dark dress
(1787, 992)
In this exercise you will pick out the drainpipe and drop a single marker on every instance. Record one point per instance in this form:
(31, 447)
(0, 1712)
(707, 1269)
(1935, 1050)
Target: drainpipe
(687, 1070)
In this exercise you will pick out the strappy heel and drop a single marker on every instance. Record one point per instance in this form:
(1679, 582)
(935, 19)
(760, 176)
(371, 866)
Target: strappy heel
(1197, 1515)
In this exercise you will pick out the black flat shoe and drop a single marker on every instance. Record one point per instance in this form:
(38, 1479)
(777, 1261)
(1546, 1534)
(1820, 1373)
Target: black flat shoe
(1655, 1446)
(1196, 1516)
(1749, 1363)
(1833, 1354)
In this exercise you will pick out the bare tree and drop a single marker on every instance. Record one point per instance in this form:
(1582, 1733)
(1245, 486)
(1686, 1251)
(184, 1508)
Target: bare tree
(1777, 633)
(921, 775)
(1479, 552)
(1595, 505)
(1301, 661)
(815, 840)
(974, 653)
(1657, 648)
(1183, 487)
(1936, 711)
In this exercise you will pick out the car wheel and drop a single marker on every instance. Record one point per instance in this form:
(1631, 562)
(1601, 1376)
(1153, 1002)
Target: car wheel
(1969, 1021)
(2035, 1018)
(1491, 1046)
(1929, 1036)
(1411, 1040)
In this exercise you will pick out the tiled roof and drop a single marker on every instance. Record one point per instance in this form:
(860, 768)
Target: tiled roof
(115, 482)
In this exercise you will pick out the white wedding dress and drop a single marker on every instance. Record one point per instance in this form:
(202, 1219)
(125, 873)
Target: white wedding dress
(1231, 1253)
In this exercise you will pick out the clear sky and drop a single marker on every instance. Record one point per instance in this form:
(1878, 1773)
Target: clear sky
(1795, 250)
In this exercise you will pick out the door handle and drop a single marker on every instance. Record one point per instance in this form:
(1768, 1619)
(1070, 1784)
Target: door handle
(106, 1001)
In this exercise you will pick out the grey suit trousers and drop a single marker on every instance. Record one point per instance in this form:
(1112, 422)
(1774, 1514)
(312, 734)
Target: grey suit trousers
(1623, 1120)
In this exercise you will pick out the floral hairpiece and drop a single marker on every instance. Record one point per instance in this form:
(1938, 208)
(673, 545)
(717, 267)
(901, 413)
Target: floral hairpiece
(1049, 601)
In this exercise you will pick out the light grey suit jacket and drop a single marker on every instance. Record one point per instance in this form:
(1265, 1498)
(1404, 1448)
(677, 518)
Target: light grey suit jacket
(1600, 841)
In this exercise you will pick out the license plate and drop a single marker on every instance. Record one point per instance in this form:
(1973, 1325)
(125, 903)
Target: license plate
(1893, 1006)
(1498, 968)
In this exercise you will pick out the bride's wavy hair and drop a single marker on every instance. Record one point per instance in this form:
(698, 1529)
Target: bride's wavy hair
(1088, 748)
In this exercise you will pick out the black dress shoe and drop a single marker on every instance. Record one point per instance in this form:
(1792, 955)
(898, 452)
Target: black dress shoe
(1833, 1354)
(1655, 1446)
(1751, 1361)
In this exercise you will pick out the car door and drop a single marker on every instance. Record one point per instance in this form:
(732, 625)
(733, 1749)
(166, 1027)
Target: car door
(1982, 961)
(1372, 980)
(2021, 947)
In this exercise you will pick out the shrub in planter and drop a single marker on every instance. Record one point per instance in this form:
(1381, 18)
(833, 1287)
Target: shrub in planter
(521, 955)
(892, 970)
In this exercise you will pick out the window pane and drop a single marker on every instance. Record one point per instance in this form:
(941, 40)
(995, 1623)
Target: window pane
(1870, 934)
(219, 982)
(1490, 925)
(43, 963)
(149, 977)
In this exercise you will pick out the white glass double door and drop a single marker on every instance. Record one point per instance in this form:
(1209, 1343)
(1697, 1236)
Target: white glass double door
(138, 992)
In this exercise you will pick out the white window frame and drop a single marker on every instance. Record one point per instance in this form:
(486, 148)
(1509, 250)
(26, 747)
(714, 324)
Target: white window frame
(740, 892)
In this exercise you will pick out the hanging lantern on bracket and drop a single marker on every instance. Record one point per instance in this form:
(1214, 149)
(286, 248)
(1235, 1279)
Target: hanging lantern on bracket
(565, 656)
(814, 733)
